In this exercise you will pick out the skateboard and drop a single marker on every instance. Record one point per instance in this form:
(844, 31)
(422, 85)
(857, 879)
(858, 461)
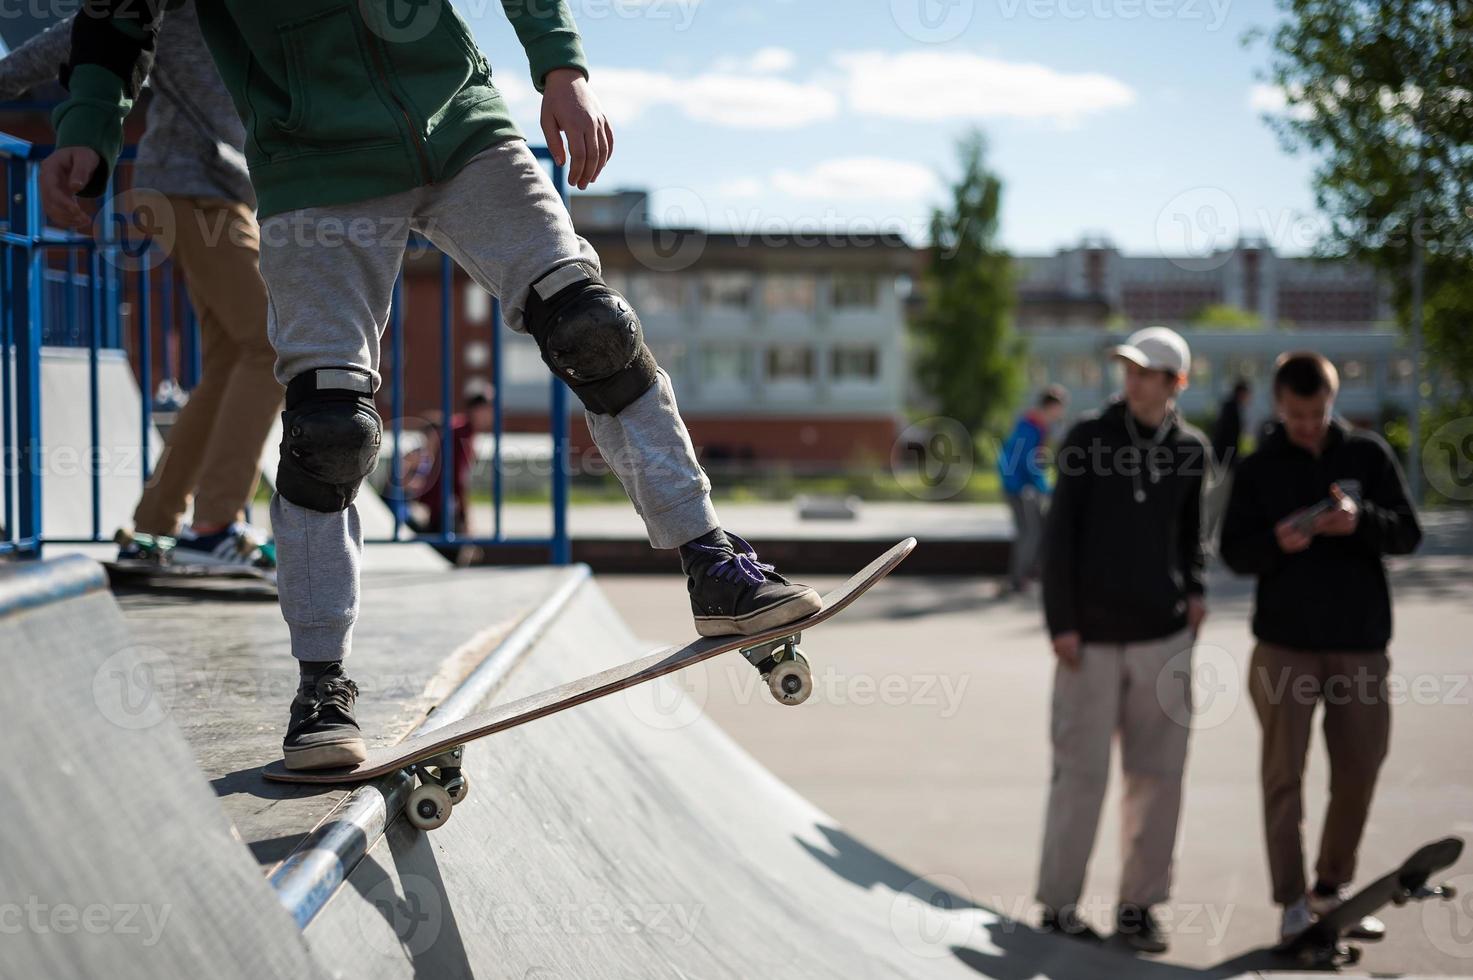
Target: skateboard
(436, 756)
(159, 563)
(1323, 944)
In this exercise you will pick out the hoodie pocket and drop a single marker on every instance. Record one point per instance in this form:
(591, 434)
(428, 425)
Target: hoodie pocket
(333, 101)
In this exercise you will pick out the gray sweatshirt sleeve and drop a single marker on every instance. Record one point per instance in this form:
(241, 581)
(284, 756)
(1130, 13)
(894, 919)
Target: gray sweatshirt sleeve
(37, 61)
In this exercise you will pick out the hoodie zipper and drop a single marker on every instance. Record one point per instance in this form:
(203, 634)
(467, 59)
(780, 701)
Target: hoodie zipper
(427, 175)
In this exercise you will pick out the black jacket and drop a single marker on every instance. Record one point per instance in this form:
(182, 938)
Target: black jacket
(1333, 595)
(1114, 569)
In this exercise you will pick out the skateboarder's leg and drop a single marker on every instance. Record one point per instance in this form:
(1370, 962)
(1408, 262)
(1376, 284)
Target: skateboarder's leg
(1284, 685)
(1085, 713)
(329, 274)
(1154, 729)
(501, 219)
(1357, 728)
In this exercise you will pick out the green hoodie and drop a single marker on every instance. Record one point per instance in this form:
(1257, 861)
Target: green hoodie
(342, 100)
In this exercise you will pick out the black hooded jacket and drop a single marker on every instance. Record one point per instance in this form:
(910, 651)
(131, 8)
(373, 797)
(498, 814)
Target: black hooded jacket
(1333, 595)
(1117, 569)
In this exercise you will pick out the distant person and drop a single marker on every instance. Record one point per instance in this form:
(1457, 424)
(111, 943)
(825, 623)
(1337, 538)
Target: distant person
(1322, 617)
(1022, 466)
(1227, 434)
(1123, 599)
(478, 417)
(192, 154)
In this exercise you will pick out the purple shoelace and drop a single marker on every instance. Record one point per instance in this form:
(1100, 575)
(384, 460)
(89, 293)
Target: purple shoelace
(738, 565)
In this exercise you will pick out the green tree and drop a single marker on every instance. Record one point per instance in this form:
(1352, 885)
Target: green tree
(968, 356)
(1225, 316)
(1381, 92)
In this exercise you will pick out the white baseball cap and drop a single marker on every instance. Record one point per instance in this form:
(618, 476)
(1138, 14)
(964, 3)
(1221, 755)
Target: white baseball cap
(1156, 349)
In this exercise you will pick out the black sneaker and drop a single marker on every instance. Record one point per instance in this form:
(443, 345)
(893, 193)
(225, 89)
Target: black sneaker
(323, 734)
(732, 592)
(1068, 923)
(1136, 925)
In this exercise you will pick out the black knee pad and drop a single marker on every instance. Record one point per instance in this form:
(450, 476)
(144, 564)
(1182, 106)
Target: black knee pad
(591, 338)
(330, 438)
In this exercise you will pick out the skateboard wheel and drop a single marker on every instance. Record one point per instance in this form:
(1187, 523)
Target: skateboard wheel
(790, 682)
(429, 806)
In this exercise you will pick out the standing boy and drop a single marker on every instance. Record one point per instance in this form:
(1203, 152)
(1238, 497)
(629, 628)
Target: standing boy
(1123, 598)
(1322, 617)
(1022, 467)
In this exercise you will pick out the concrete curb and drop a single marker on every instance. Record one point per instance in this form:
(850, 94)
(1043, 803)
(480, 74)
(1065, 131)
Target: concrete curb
(312, 873)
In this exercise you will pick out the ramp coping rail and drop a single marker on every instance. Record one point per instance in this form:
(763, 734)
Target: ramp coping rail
(314, 871)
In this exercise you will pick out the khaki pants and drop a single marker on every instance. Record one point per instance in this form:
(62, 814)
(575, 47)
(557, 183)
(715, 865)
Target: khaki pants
(214, 448)
(1142, 692)
(1286, 686)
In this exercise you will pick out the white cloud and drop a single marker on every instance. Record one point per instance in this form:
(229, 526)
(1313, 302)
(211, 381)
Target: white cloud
(764, 61)
(741, 187)
(1271, 100)
(846, 179)
(739, 101)
(942, 85)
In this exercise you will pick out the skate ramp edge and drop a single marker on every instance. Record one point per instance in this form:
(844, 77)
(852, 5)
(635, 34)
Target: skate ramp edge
(630, 837)
(117, 858)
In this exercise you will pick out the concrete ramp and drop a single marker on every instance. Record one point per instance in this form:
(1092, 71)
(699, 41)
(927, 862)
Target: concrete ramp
(115, 858)
(631, 838)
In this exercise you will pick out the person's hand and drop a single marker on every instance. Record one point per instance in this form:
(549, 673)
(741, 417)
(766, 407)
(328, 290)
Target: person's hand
(63, 174)
(1196, 613)
(569, 106)
(1291, 539)
(1343, 519)
(1066, 648)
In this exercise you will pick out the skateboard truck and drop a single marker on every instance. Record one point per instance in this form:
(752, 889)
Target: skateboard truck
(784, 668)
(442, 786)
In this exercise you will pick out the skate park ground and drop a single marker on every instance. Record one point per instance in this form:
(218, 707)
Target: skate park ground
(632, 837)
(936, 691)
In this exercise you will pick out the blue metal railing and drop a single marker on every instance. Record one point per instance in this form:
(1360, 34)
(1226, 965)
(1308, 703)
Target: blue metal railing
(43, 303)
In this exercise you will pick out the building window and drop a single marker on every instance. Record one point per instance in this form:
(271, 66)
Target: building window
(477, 354)
(523, 362)
(855, 291)
(728, 291)
(722, 364)
(476, 304)
(670, 355)
(657, 292)
(1353, 374)
(1400, 371)
(787, 292)
(790, 363)
(855, 364)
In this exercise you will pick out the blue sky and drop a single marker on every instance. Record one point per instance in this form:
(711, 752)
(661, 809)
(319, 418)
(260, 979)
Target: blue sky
(1136, 119)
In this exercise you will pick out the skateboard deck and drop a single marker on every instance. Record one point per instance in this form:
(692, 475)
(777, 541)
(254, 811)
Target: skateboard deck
(161, 568)
(774, 652)
(1322, 944)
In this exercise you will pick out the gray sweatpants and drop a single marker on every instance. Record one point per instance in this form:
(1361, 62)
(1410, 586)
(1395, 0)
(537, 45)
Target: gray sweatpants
(330, 275)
